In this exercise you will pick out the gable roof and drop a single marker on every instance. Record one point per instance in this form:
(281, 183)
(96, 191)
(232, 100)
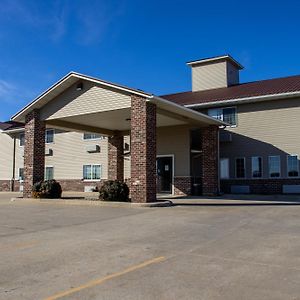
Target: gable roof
(278, 87)
(63, 84)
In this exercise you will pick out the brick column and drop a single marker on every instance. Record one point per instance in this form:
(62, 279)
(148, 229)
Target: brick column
(210, 160)
(143, 150)
(115, 157)
(34, 151)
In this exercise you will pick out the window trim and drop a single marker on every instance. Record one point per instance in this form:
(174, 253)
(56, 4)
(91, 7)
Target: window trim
(91, 180)
(287, 171)
(225, 107)
(94, 139)
(262, 167)
(23, 133)
(20, 180)
(244, 158)
(280, 171)
(49, 166)
(228, 159)
(49, 129)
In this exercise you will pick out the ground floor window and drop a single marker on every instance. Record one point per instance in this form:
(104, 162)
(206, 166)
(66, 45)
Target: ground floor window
(224, 168)
(274, 166)
(92, 172)
(256, 164)
(292, 166)
(21, 174)
(49, 173)
(240, 170)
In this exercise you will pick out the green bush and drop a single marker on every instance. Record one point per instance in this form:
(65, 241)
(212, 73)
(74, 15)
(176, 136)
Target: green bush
(114, 190)
(47, 189)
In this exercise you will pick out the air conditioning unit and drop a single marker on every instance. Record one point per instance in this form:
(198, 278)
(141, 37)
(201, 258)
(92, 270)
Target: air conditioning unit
(48, 152)
(92, 148)
(225, 137)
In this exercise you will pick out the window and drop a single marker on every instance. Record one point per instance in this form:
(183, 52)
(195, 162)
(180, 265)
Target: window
(49, 136)
(240, 171)
(21, 174)
(92, 136)
(91, 172)
(256, 164)
(224, 168)
(292, 166)
(274, 166)
(227, 114)
(22, 139)
(49, 172)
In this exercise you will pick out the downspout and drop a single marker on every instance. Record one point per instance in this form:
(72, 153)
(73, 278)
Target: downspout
(12, 188)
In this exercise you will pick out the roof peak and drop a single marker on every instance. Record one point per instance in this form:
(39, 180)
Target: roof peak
(215, 59)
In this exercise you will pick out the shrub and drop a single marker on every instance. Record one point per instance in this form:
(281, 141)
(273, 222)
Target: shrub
(114, 190)
(47, 189)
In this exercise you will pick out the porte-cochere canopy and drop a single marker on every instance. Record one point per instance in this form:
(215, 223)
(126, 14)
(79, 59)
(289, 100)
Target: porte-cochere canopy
(81, 103)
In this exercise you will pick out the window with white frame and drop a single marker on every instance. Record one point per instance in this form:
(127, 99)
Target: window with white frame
(256, 167)
(92, 136)
(49, 173)
(49, 136)
(21, 174)
(292, 166)
(274, 166)
(92, 172)
(224, 168)
(22, 139)
(226, 114)
(240, 169)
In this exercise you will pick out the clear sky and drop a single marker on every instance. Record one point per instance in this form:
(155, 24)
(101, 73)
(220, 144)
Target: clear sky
(142, 44)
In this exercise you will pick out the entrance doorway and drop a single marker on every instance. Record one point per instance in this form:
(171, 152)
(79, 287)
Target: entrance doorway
(164, 174)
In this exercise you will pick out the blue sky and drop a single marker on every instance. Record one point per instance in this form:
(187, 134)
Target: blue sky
(142, 44)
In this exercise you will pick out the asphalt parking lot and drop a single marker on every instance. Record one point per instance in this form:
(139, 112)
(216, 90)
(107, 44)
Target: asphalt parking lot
(230, 250)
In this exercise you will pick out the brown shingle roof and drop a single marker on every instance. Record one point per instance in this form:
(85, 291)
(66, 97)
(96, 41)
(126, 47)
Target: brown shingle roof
(10, 125)
(245, 90)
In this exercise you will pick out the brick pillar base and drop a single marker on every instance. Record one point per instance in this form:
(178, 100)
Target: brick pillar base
(115, 157)
(34, 151)
(143, 150)
(210, 160)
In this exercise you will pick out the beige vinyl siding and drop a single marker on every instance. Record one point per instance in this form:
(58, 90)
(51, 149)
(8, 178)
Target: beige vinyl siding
(6, 156)
(93, 98)
(170, 140)
(70, 154)
(264, 129)
(210, 76)
(175, 140)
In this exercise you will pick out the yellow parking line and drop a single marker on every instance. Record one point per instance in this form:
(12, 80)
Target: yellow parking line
(106, 278)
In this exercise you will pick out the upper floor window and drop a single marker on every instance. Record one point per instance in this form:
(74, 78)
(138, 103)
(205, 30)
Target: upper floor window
(292, 166)
(49, 136)
(274, 166)
(240, 168)
(92, 136)
(22, 139)
(226, 114)
(256, 164)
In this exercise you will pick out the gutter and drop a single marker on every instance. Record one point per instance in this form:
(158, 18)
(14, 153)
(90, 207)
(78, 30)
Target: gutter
(245, 100)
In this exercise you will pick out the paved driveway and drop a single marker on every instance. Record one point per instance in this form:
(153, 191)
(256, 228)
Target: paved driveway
(229, 251)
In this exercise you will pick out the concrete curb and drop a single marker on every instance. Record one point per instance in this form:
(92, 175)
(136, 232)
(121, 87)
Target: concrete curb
(93, 202)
